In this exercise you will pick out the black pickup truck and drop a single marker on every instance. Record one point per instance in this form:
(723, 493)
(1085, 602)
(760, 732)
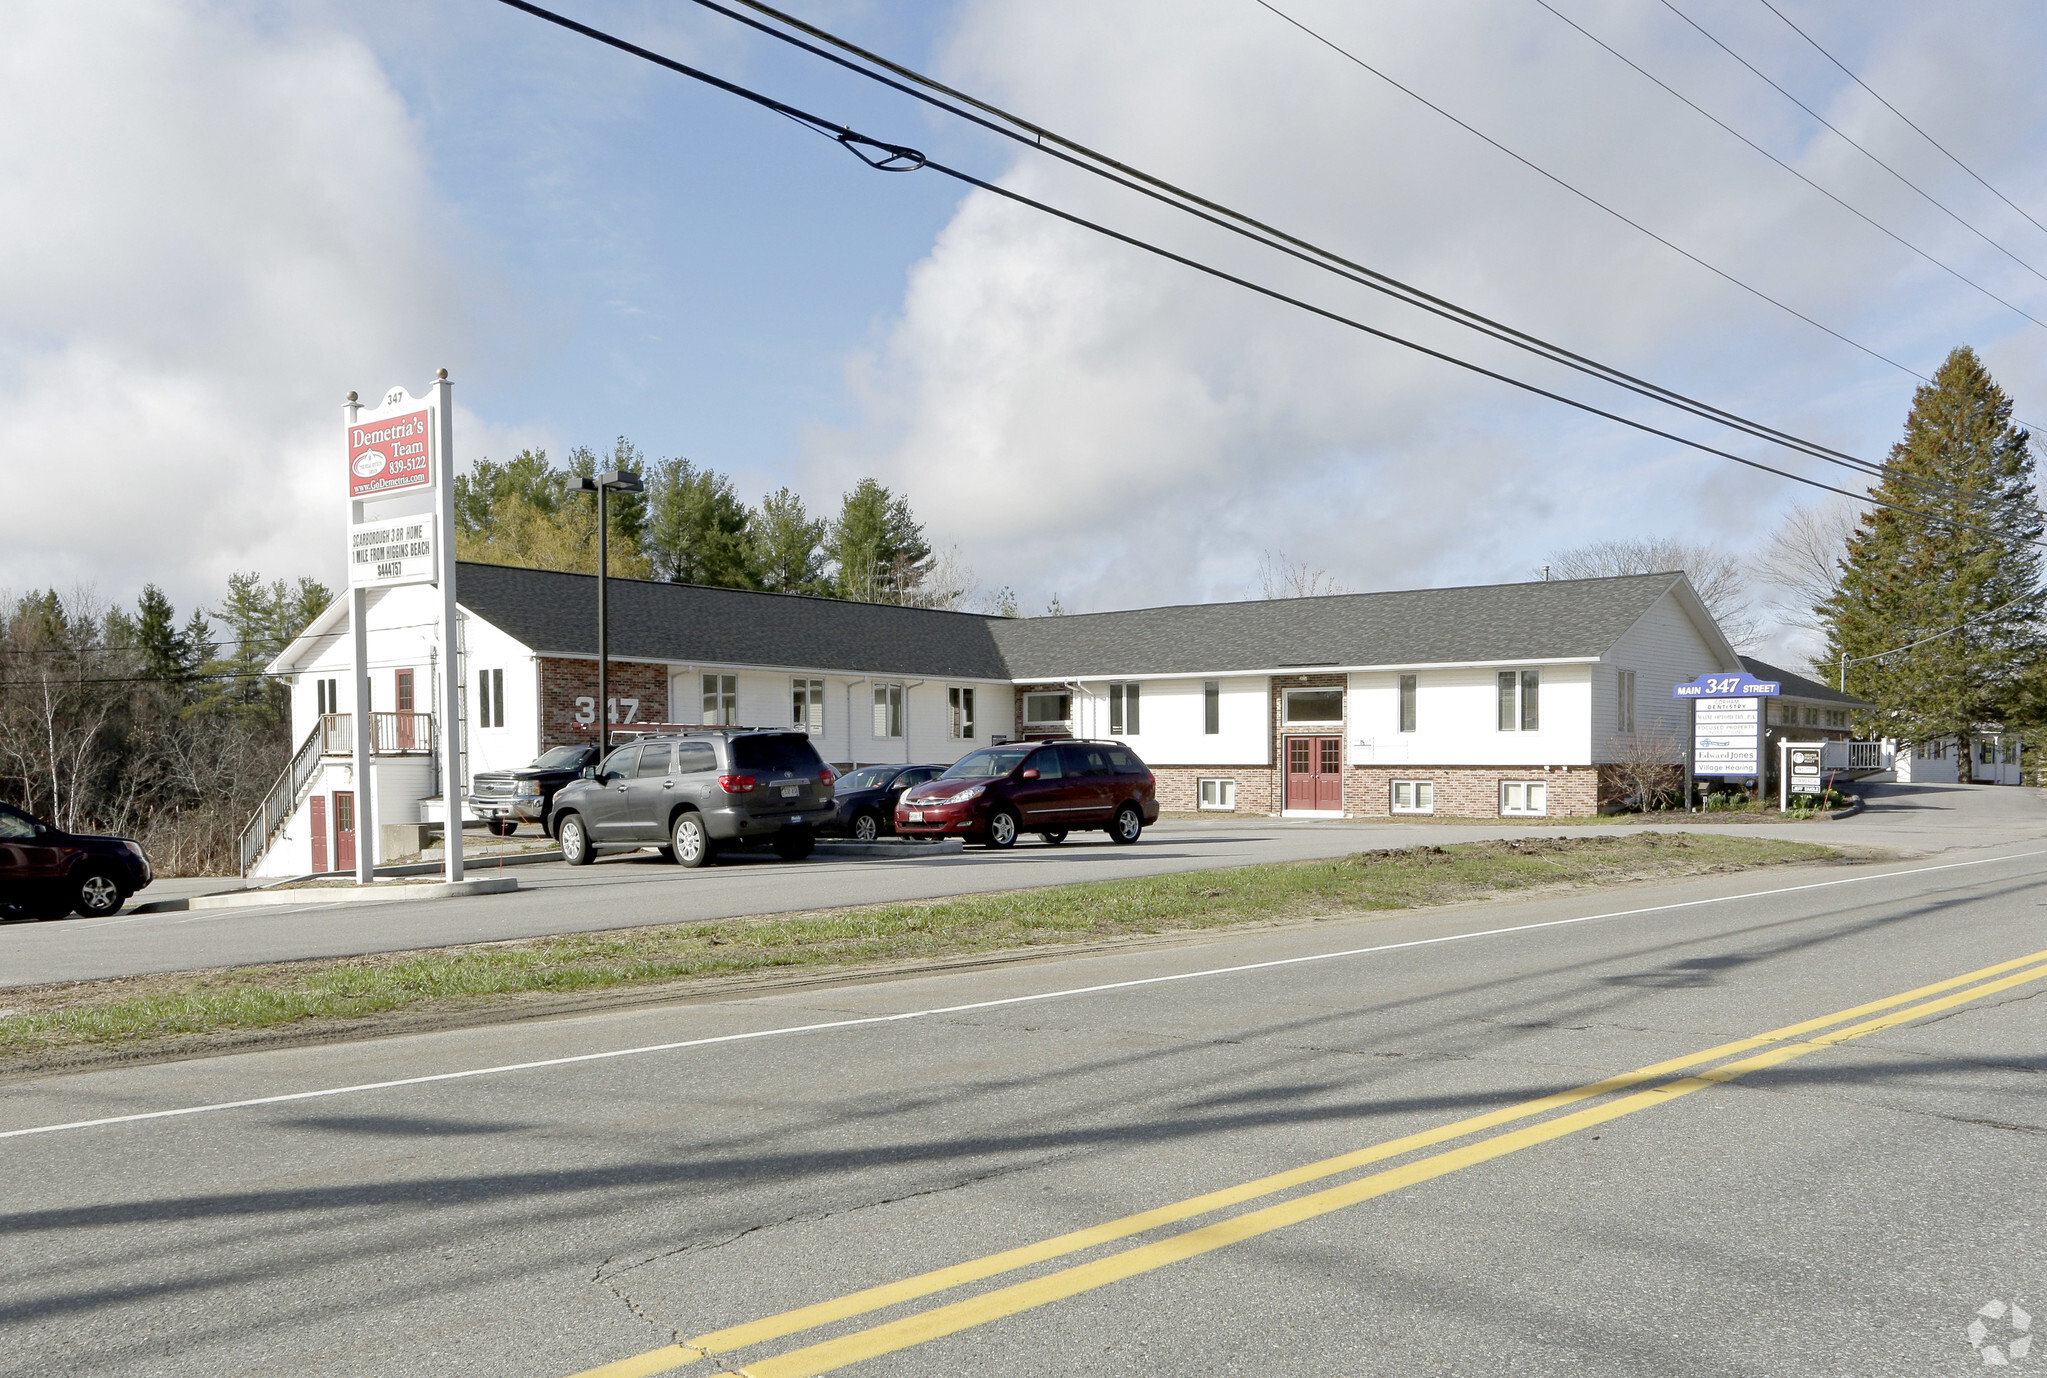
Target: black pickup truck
(507, 798)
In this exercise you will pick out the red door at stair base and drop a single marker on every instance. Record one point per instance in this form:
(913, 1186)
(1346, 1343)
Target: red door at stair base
(404, 697)
(344, 830)
(319, 802)
(1314, 773)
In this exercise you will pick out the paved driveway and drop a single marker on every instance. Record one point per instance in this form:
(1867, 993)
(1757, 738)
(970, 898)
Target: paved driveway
(639, 888)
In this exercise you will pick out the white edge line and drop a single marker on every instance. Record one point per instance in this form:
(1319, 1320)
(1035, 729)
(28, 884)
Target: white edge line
(976, 1005)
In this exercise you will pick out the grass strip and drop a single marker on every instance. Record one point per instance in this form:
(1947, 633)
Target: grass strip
(36, 1021)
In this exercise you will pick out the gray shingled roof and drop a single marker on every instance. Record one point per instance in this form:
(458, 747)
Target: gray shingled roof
(1559, 619)
(1555, 619)
(557, 614)
(1797, 686)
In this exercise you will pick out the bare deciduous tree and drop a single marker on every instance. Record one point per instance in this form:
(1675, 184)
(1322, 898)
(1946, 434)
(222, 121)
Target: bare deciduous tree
(1722, 580)
(1803, 559)
(1649, 769)
(1279, 577)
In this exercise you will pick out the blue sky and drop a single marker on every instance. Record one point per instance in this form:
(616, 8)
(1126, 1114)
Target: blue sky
(245, 210)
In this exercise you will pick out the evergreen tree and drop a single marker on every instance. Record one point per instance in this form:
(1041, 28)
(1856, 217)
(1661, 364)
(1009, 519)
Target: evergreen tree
(530, 514)
(877, 546)
(787, 544)
(261, 620)
(697, 532)
(1963, 575)
(163, 650)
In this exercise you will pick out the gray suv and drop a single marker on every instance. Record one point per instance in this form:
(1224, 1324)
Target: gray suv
(696, 793)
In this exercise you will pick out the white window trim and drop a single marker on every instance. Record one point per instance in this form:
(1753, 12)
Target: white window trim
(1030, 721)
(1624, 701)
(1226, 787)
(1525, 786)
(888, 711)
(811, 720)
(1415, 787)
(959, 712)
(1520, 699)
(727, 699)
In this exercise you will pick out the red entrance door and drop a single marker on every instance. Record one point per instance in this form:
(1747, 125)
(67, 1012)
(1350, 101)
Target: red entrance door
(344, 830)
(319, 802)
(1314, 773)
(404, 696)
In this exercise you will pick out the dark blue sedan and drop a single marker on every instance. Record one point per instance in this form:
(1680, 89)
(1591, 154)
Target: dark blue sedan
(867, 798)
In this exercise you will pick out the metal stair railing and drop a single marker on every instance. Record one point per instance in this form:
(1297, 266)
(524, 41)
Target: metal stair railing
(282, 799)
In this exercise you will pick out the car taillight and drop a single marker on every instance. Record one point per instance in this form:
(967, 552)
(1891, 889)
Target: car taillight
(736, 784)
(825, 776)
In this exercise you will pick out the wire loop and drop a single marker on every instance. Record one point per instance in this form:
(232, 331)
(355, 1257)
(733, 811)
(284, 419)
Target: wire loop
(894, 157)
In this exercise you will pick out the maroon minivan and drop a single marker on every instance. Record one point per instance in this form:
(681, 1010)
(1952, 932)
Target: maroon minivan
(1047, 788)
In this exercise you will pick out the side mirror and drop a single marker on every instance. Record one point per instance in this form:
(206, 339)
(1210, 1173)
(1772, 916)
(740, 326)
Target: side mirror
(588, 772)
(1030, 774)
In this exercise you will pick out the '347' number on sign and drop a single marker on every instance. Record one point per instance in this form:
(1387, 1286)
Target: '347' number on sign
(622, 710)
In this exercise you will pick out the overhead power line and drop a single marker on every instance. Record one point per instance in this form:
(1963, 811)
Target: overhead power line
(1875, 224)
(894, 157)
(1075, 154)
(1980, 181)
(1924, 195)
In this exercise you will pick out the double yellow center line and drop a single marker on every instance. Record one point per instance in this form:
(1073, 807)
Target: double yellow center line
(1750, 1054)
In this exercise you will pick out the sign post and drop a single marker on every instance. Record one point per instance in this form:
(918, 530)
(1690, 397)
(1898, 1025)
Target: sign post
(1727, 727)
(404, 447)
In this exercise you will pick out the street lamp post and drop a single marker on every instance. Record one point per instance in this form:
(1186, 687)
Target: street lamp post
(611, 480)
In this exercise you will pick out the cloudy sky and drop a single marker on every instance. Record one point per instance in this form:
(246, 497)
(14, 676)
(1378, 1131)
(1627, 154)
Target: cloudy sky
(224, 217)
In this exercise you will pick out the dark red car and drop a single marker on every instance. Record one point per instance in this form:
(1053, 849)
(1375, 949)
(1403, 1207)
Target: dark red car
(1048, 788)
(45, 872)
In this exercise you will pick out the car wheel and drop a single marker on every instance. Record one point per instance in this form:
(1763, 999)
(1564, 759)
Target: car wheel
(866, 827)
(1127, 824)
(794, 844)
(688, 840)
(1002, 828)
(97, 896)
(503, 827)
(575, 840)
(1054, 837)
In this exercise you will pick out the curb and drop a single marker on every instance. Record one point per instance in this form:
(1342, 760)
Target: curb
(1852, 809)
(890, 851)
(337, 894)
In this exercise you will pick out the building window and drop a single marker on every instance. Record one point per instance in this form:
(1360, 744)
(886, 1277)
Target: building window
(1837, 717)
(959, 707)
(1527, 798)
(721, 700)
(888, 710)
(1624, 701)
(806, 705)
(490, 698)
(1047, 708)
(326, 691)
(1812, 717)
(1407, 703)
(1520, 696)
(1414, 796)
(1314, 705)
(1212, 709)
(1218, 794)
(1123, 710)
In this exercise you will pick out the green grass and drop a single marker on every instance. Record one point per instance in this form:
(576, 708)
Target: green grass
(37, 1022)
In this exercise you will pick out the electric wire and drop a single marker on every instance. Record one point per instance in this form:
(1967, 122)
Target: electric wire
(1955, 273)
(846, 135)
(1980, 181)
(1846, 661)
(1924, 195)
(1078, 155)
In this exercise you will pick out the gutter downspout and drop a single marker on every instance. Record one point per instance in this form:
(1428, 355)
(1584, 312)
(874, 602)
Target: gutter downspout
(1081, 689)
(852, 756)
(908, 685)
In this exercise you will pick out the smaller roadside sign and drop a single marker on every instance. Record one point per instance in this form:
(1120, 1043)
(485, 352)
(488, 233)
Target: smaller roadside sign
(396, 550)
(390, 455)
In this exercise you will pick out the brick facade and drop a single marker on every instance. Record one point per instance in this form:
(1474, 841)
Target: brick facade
(1041, 730)
(1461, 791)
(563, 681)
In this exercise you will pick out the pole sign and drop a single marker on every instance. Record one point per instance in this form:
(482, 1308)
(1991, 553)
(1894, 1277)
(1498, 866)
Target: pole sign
(398, 550)
(390, 454)
(1727, 723)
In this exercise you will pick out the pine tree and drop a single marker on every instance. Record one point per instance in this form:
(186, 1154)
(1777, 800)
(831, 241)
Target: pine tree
(878, 546)
(1963, 574)
(787, 545)
(162, 648)
(697, 528)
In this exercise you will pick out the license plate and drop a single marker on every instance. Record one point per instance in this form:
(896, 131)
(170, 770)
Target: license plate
(791, 791)
(916, 815)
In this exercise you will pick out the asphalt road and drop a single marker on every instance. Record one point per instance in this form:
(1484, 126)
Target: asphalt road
(639, 888)
(1844, 1202)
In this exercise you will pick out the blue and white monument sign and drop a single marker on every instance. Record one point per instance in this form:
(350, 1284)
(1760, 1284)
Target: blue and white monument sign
(1727, 723)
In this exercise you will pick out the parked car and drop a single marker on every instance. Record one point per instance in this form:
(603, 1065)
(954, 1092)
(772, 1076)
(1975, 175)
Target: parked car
(1051, 789)
(694, 794)
(867, 798)
(46, 873)
(506, 798)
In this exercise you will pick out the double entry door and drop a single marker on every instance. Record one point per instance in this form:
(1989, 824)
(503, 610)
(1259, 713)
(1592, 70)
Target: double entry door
(1314, 774)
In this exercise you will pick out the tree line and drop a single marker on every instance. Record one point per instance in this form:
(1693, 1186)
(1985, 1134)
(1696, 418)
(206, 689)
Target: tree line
(690, 526)
(135, 722)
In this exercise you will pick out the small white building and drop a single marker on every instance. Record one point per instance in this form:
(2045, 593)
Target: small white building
(1500, 700)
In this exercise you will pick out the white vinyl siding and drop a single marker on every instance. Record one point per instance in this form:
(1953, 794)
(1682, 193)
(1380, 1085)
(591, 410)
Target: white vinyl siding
(1456, 719)
(1664, 648)
(1177, 715)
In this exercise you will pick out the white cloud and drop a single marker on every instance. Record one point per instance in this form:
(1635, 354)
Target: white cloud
(1084, 418)
(217, 228)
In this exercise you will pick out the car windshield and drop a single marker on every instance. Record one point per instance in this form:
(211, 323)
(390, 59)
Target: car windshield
(987, 764)
(562, 758)
(874, 777)
(790, 751)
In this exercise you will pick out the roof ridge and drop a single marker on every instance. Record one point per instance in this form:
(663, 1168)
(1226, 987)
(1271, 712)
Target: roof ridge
(1370, 593)
(727, 588)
